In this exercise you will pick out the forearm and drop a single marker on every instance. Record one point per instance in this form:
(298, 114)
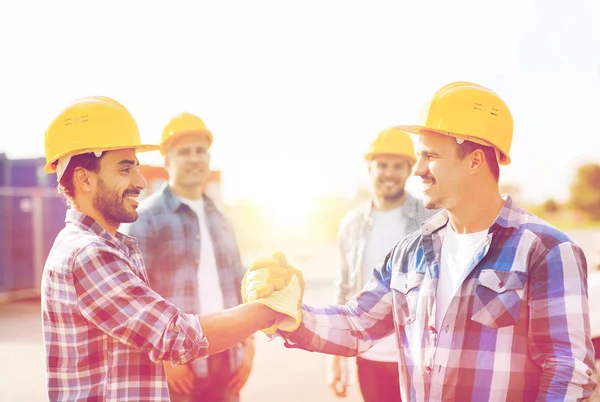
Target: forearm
(229, 327)
(341, 329)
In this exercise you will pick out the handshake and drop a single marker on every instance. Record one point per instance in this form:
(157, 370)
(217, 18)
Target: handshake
(278, 286)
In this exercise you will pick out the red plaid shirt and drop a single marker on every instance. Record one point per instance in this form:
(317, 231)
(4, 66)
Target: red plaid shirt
(106, 332)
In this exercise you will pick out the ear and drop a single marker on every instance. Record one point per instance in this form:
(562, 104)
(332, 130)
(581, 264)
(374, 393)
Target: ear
(84, 180)
(370, 167)
(477, 159)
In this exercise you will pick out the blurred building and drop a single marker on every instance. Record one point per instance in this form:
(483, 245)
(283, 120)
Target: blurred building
(32, 213)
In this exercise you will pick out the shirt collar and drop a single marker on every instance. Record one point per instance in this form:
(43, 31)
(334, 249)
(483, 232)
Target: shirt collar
(509, 217)
(87, 223)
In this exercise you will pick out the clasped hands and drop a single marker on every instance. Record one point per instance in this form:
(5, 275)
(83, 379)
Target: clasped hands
(277, 285)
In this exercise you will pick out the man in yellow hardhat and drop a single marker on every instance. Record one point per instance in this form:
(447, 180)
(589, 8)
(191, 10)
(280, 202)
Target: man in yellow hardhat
(365, 236)
(487, 301)
(106, 331)
(198, 268)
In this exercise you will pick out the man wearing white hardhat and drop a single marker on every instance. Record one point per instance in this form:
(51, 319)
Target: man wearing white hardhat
(488, 302)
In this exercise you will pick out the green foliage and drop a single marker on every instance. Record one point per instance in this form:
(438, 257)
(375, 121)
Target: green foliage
(585, 191)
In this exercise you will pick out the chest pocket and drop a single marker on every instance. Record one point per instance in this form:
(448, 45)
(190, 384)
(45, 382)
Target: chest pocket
(405, 290)
(498, 298)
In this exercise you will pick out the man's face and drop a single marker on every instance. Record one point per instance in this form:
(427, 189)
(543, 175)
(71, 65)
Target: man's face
(187, 161)
(442, 172)
(119, 184)
(389, 174)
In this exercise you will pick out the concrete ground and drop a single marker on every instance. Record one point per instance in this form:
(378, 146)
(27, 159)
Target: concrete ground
(279, 374)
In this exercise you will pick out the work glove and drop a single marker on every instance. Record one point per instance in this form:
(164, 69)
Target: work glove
(278, 286)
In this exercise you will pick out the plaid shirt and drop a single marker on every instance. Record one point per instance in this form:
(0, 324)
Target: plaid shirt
(353, 236)
(106, 332)
(516, 330)
(168, 234)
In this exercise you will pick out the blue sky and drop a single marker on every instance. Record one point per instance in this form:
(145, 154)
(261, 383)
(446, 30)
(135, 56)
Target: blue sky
(295, 90)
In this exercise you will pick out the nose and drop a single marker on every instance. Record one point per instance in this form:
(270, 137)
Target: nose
(387, 172)
(420, 168)
(139, 181)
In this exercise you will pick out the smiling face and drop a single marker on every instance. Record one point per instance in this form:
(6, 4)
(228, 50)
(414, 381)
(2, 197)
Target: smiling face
(117, 185)
(443, 173)
(389, 174)
(187, 162)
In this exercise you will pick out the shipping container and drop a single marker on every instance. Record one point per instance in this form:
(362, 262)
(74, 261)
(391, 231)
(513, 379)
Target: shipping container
(28, 173)
(3, 228)
(3, 162)
(31, 219)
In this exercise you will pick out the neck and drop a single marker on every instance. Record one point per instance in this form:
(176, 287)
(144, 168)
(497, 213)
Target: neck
(477, 211)
(89, 210)
(381, 204)
(190, 193)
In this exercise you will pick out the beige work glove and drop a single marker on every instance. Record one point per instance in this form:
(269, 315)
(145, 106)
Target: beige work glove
(278, 286)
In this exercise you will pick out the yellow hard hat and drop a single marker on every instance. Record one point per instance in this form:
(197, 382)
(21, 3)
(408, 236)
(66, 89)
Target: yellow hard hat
(92, 124)
(392, 141)
(469, 112)
(183, 124)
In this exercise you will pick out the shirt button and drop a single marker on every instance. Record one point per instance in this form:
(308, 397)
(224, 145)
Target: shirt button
(447, 328)
(198, 236)
(432, 328)
(428, 369)
(501, 284)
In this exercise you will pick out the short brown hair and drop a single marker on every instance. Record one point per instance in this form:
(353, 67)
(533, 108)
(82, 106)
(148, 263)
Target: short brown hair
(87, 161)
(467, 147)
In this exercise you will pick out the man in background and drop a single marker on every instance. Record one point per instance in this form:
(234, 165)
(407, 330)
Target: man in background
(365, 236)
(192, 259)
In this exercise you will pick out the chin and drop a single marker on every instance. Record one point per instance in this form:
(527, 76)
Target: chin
(430, 203)
(196, 182)
(130, 217)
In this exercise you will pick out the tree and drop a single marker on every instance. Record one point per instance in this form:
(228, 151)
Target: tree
(585, 192)
(551, 206)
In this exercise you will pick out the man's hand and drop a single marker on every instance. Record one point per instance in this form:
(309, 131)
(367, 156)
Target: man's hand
(277, 285)
(180, 378)
(237, 382)
(337, 376)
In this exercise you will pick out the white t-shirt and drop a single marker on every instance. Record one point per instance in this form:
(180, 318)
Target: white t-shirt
(388, 229)
(209, 286)
(458, 251)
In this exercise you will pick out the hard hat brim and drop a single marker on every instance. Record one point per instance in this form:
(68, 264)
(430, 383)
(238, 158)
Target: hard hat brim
(49, 167)
(419, 130)
(369, 155)
(175, 136)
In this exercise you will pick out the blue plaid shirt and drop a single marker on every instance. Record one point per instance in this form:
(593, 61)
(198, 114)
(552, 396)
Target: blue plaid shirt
(168, 234)
(517, 328)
